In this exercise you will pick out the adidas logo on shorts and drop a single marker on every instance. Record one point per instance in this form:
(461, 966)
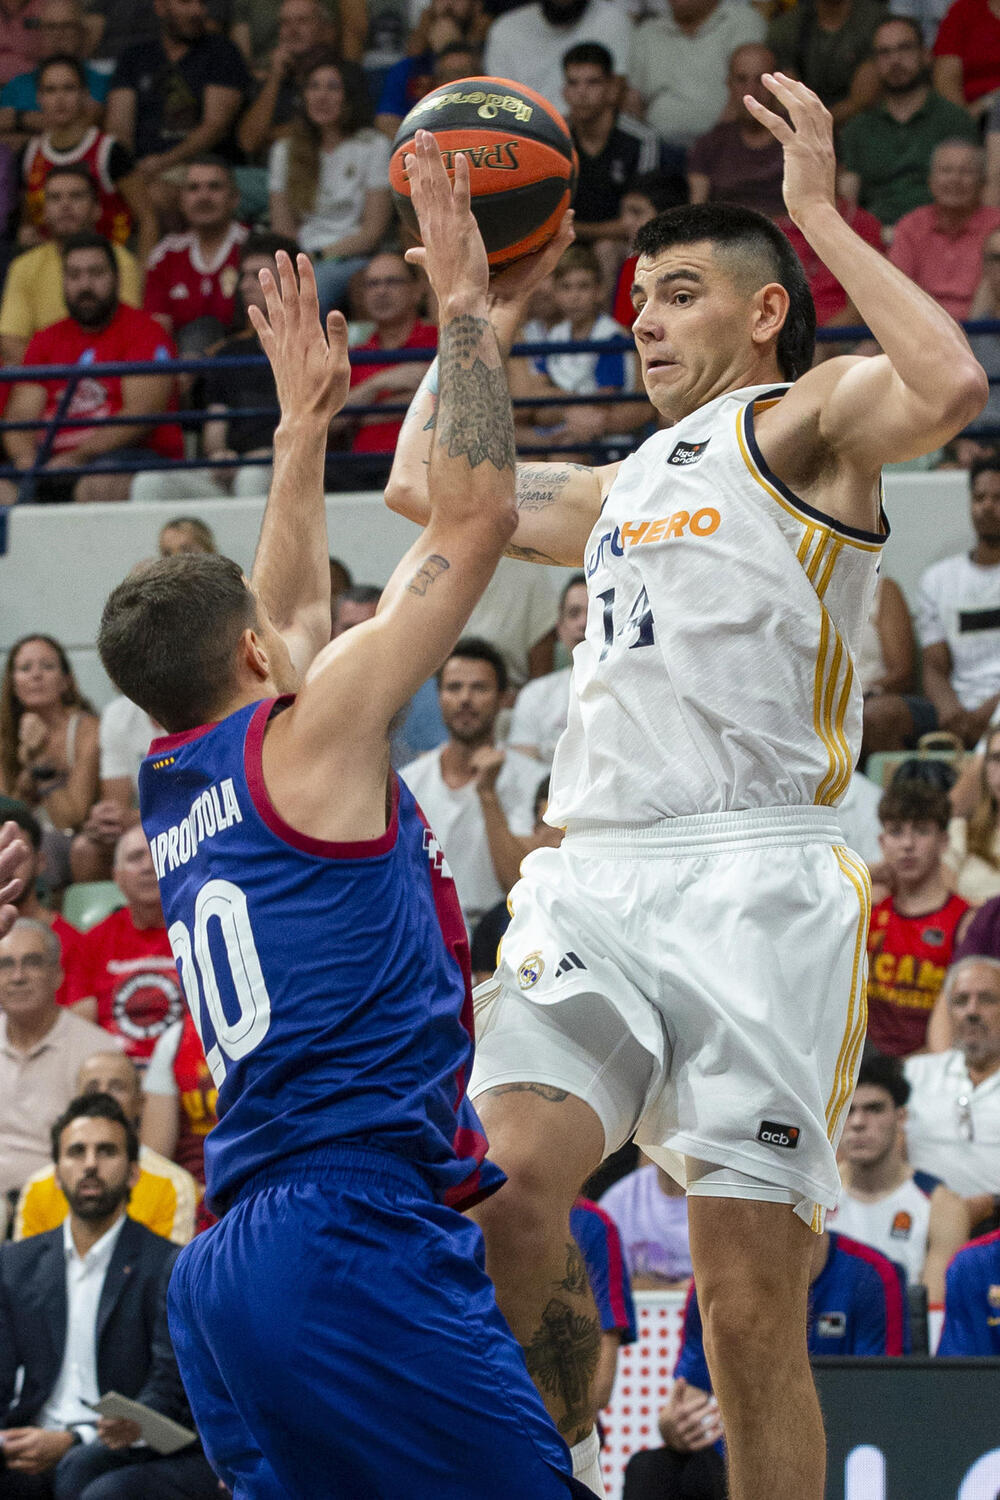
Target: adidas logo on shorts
(567, 962)
(785, 1136)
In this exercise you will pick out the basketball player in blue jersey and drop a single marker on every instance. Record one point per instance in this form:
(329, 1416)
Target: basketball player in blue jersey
(688, 966)
(336, 1331)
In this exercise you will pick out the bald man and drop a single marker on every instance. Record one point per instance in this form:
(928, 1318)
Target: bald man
(165, 1196)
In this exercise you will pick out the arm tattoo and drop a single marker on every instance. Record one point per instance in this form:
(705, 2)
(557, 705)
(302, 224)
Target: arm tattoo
(575, 1278)
(432, 567)
(475, 419)
(541, 485)
(532, 555)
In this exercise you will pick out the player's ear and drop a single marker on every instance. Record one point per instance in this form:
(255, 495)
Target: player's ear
(253, 655)
(770, 309)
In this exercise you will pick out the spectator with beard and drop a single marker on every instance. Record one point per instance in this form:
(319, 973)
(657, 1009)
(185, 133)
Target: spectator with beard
(191, 278)
(125, 979)
(445, 781)
(175, 98)
(33, 292)
(885, 152)
(529, 43)
(100, 329)
(82, 1313)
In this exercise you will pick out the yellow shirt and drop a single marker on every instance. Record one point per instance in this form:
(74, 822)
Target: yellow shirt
(33, 294)
(164, 1199)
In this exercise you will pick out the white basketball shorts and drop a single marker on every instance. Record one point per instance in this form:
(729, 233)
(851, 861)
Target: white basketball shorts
(701, 984)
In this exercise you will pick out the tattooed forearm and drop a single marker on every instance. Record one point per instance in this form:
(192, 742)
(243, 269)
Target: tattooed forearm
(541, 485)
(532, 555)
(574, 1278)
(474, 418)
(432, 567)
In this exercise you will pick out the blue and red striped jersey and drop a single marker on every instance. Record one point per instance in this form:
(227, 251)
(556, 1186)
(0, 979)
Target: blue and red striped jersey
(857, 1305)
(972, 1299)
(596, 1233)
(330, 983)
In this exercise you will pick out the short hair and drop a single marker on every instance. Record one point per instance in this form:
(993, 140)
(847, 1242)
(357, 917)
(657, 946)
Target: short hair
(452, 48)
(266, 242)
(571, 583)
(988, 463)
(952, 976)
(909, 21)
(360, 593)
(592, 53)
(957, 140)
(72, 169)
(89, 239)
(201, 529)
(913, 800)
(210, 159)
(13, 811)
(474, 648)
(653, 186)
(762, 254)
(63, 60)
(577, 258)
(169, 633)
(51, 943)
(96, 1107)
(881, 1072)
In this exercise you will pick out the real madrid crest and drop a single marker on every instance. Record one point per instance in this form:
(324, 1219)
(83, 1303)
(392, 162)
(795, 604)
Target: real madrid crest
(531, 971)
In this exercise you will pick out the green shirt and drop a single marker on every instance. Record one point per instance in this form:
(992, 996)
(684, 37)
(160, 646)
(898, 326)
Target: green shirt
(825, 60)
(893, 160)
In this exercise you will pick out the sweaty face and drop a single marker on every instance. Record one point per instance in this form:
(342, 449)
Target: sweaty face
(694, 329)
(872, 1128)
(93, 1167)
(469, 699)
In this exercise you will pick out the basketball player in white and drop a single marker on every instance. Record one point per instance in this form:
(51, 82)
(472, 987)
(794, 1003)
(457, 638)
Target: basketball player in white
(690, 964)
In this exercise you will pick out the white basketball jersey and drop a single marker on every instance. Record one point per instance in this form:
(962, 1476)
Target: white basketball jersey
(898, 1225)
(718, 669)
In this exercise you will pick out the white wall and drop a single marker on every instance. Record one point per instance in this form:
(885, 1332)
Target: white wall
(62, 560)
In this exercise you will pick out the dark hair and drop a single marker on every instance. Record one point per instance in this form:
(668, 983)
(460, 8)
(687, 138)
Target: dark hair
(931, 772)
(302, 182)
(169, 633)
(201, 530)
(96, 1107)
(571, 583)
(885, 1073)
(12, 709)
(989, 463)
(913, 800)
(910, 21)
(766, 256)
(360, 593)
(266, 242)
(592, 53)
(654, 186)
(72, 169)
(453, 48)
(474, 648)
(63, 60)
(89, 239)
(13, 811)
(577, 257)
(210, 159)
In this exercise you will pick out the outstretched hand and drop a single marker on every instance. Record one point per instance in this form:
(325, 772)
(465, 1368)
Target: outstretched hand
(515, 283)
(452, 253)
(311, 368)
(806, 139)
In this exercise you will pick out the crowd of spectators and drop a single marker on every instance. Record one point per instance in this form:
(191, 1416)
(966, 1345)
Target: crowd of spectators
(154, 157)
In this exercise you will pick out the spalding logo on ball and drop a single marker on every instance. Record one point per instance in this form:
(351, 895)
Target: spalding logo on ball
(523, 165)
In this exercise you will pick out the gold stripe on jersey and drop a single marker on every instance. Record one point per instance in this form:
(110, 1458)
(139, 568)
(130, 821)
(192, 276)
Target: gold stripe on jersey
(744, 419)
(830, 710)
(857, 1010)
(836, 548)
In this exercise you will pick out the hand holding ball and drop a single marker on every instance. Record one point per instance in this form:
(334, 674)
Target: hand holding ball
(522, 162)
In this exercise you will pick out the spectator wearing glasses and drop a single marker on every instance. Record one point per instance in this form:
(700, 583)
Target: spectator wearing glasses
(953, 1123)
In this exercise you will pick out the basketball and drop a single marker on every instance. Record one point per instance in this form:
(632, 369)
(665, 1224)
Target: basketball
(523, 165)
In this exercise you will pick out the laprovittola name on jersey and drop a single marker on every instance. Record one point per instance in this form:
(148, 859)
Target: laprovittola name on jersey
(717, 673)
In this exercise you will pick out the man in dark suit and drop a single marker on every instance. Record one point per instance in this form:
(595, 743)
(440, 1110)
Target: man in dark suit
(83, 1312)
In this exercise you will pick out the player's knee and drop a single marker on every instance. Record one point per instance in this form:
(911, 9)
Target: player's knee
(522, 1223)
(749, 1320)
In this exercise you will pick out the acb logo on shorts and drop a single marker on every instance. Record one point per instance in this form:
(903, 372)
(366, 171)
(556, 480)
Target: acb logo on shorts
(531, 971)
(785, 1136)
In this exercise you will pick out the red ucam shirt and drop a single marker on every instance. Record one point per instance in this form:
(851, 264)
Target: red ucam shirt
(131, 335)
(182, 285)
(382, 437)
(130, 971)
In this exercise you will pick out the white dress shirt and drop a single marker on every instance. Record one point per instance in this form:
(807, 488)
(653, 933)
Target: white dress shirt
(77, 1381)
(953, 1127)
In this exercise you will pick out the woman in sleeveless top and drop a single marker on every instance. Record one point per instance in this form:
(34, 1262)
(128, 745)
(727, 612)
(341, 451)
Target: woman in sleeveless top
(974, 843)
(48, 744)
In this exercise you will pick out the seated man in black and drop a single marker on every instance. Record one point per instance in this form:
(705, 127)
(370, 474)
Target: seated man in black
(83, 1312)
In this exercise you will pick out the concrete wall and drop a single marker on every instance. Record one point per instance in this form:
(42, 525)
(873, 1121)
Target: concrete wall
(62, 560)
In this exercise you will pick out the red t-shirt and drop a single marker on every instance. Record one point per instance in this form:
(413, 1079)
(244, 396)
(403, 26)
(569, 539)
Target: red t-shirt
(131, 973)
(828, 294)
(623, 312)
(106, 160)
(182, 286)
(71, 942)
(908, 958)
(971, 31)
(382, 437)
(131, 335)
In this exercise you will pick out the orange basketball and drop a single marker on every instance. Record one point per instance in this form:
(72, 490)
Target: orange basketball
(523, 165)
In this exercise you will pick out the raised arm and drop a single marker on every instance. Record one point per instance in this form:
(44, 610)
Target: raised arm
(925, 386)
(557, 503)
